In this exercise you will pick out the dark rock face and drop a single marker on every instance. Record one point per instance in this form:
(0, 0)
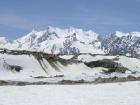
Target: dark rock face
(110, 64)
(68, 49)
(3, 82)
(102, 63)
(117, 69)
(130, 77)
(19, 83)
(116, 79)
(71, 81)
(16, 68)
(12, 67)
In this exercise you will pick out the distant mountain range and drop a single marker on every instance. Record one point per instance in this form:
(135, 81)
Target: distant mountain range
(74, 41)
(119, 43)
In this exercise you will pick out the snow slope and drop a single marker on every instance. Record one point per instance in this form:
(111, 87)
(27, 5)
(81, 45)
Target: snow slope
(70, 67)
(32, 68)
(29, 63)
(101, 94)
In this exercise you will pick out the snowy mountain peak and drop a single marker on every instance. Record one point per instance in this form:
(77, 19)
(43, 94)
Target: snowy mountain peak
(56, 40)
(136, 34)
(74, 40)
(33, 31)
(121, 34)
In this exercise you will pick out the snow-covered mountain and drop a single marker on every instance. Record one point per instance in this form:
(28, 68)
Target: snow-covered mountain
(56, 40)
(43, 55)
(74, 41)
(122, 44)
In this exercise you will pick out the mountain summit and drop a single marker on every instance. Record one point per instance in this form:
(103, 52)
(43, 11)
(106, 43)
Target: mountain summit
(74, 41)
(55, 40)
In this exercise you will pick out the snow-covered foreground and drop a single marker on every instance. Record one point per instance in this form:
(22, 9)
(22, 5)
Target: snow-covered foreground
(102, 94)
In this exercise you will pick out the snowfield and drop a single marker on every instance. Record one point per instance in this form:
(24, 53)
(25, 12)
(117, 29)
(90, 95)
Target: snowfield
(102, 94)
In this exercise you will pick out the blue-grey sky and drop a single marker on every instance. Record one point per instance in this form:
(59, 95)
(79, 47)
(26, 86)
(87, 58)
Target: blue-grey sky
(18, 17)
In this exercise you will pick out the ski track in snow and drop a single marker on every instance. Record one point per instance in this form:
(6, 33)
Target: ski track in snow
(102, 94)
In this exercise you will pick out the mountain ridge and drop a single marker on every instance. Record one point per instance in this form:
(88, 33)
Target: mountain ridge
(73, 41)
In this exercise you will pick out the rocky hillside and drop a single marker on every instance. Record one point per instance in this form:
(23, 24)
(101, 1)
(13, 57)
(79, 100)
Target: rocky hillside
(119, 43)
(54, 68)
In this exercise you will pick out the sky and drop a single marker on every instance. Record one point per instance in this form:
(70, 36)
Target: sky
(19, 17)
